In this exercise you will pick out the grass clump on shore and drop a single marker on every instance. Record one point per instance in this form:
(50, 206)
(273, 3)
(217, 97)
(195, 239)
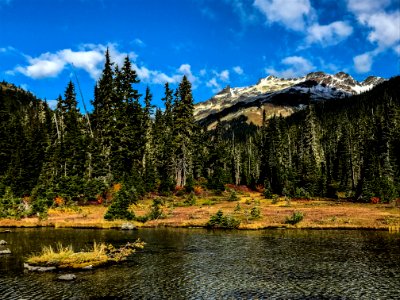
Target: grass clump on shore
(295, 218)
(66, 258)
(220, 221)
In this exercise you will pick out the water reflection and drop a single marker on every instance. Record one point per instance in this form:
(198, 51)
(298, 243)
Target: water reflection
(200, 264)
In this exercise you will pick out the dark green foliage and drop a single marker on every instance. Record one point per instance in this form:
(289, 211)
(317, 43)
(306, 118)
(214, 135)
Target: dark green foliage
(295, 218)
(190, 200)
(189, 186)
(220, 221)
(348, 147)
(119, 209)
(255, 213)
(233, 196)
(156, 211)
(267, 190)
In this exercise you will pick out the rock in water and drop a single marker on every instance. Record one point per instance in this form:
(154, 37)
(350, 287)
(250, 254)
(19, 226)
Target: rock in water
(89, 267)
(3, 242)
(128, 226)
(67, 277)
(39, 269)
(6, 251)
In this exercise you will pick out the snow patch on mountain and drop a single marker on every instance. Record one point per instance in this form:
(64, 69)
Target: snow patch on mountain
(316, 85)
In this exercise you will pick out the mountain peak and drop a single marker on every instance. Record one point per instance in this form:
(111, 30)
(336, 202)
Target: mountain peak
(284, 92)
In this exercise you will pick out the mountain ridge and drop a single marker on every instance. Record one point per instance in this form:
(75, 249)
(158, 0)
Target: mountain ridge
(285, 94)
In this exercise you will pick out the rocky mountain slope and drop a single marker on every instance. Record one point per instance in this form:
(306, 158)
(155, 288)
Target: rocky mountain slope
(279, 96)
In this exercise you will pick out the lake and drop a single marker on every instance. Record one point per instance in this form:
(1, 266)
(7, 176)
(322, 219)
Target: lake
(202, 264)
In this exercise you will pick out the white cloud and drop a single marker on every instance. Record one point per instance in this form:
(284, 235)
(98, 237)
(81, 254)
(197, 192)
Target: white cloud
(224, 76)
(328, 35)
(203, 72)
(212, 83)
(242, 11)
(139, 42)
(385, 29)
(297, 66)
(384, 26)
(363, 62)
(86, 60)
(218, 79)
(366, 7)
(52, 103)
(293, 14)
(397, 49)
(8, 49)
(238, 70)
(90, 58)
(157, 77)
(185, 69)
(46, 65)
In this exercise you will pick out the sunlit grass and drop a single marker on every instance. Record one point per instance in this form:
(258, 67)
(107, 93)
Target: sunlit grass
(65, 256)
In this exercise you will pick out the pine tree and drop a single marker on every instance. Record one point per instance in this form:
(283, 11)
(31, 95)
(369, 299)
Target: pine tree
(183, 131)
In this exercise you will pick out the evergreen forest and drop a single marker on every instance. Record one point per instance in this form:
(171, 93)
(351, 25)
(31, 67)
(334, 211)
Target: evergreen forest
(348, 148)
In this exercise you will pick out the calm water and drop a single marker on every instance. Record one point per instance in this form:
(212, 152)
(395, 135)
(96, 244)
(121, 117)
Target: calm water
(200, 264)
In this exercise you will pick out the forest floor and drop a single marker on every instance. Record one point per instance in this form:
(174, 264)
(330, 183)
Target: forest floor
(318, 214)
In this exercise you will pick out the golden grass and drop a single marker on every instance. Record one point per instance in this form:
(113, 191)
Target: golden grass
(319, 214)
(65, 257)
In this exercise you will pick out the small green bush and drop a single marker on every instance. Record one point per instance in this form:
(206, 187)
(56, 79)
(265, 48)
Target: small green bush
(275, 199)
(190, 200)
(295, 218)
(220, 221)
(142, 219)
(156, 211)
(233, 196)
(301, 193)
(237, 208)
(119, 208)
(255, 213)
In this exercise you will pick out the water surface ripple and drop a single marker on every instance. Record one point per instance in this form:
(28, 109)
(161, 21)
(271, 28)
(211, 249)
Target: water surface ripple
(201, 264)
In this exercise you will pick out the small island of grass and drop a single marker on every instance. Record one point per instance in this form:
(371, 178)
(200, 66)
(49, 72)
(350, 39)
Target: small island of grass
(66, 258)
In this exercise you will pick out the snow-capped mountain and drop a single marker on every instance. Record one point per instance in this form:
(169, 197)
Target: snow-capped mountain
(280, 95)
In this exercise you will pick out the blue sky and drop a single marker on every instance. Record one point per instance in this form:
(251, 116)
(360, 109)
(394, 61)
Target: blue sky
(213, 42)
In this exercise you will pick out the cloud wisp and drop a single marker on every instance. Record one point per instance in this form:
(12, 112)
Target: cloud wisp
(383, 24)
(300, 16)
(295, 66)
(90, 58)
(292, 14)
(328, 35)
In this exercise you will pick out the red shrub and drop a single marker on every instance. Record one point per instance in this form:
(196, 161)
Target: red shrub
(375, 200)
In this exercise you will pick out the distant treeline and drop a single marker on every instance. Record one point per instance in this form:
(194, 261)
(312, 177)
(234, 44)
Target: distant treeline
(345, 147)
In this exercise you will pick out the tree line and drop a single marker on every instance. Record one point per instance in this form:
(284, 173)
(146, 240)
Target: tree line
(340, 148)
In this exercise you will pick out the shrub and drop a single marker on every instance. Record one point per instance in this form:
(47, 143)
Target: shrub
(190, 200)
(233, 196)
(275, 199)
(375, 200)
(142, 219)
(295, 218)
(156, 211)
(255, 213)
(237, 208)
(220, 221)
(189, 186)
(179, 191)
(301, 193)
(119, 209)
(198, 190)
